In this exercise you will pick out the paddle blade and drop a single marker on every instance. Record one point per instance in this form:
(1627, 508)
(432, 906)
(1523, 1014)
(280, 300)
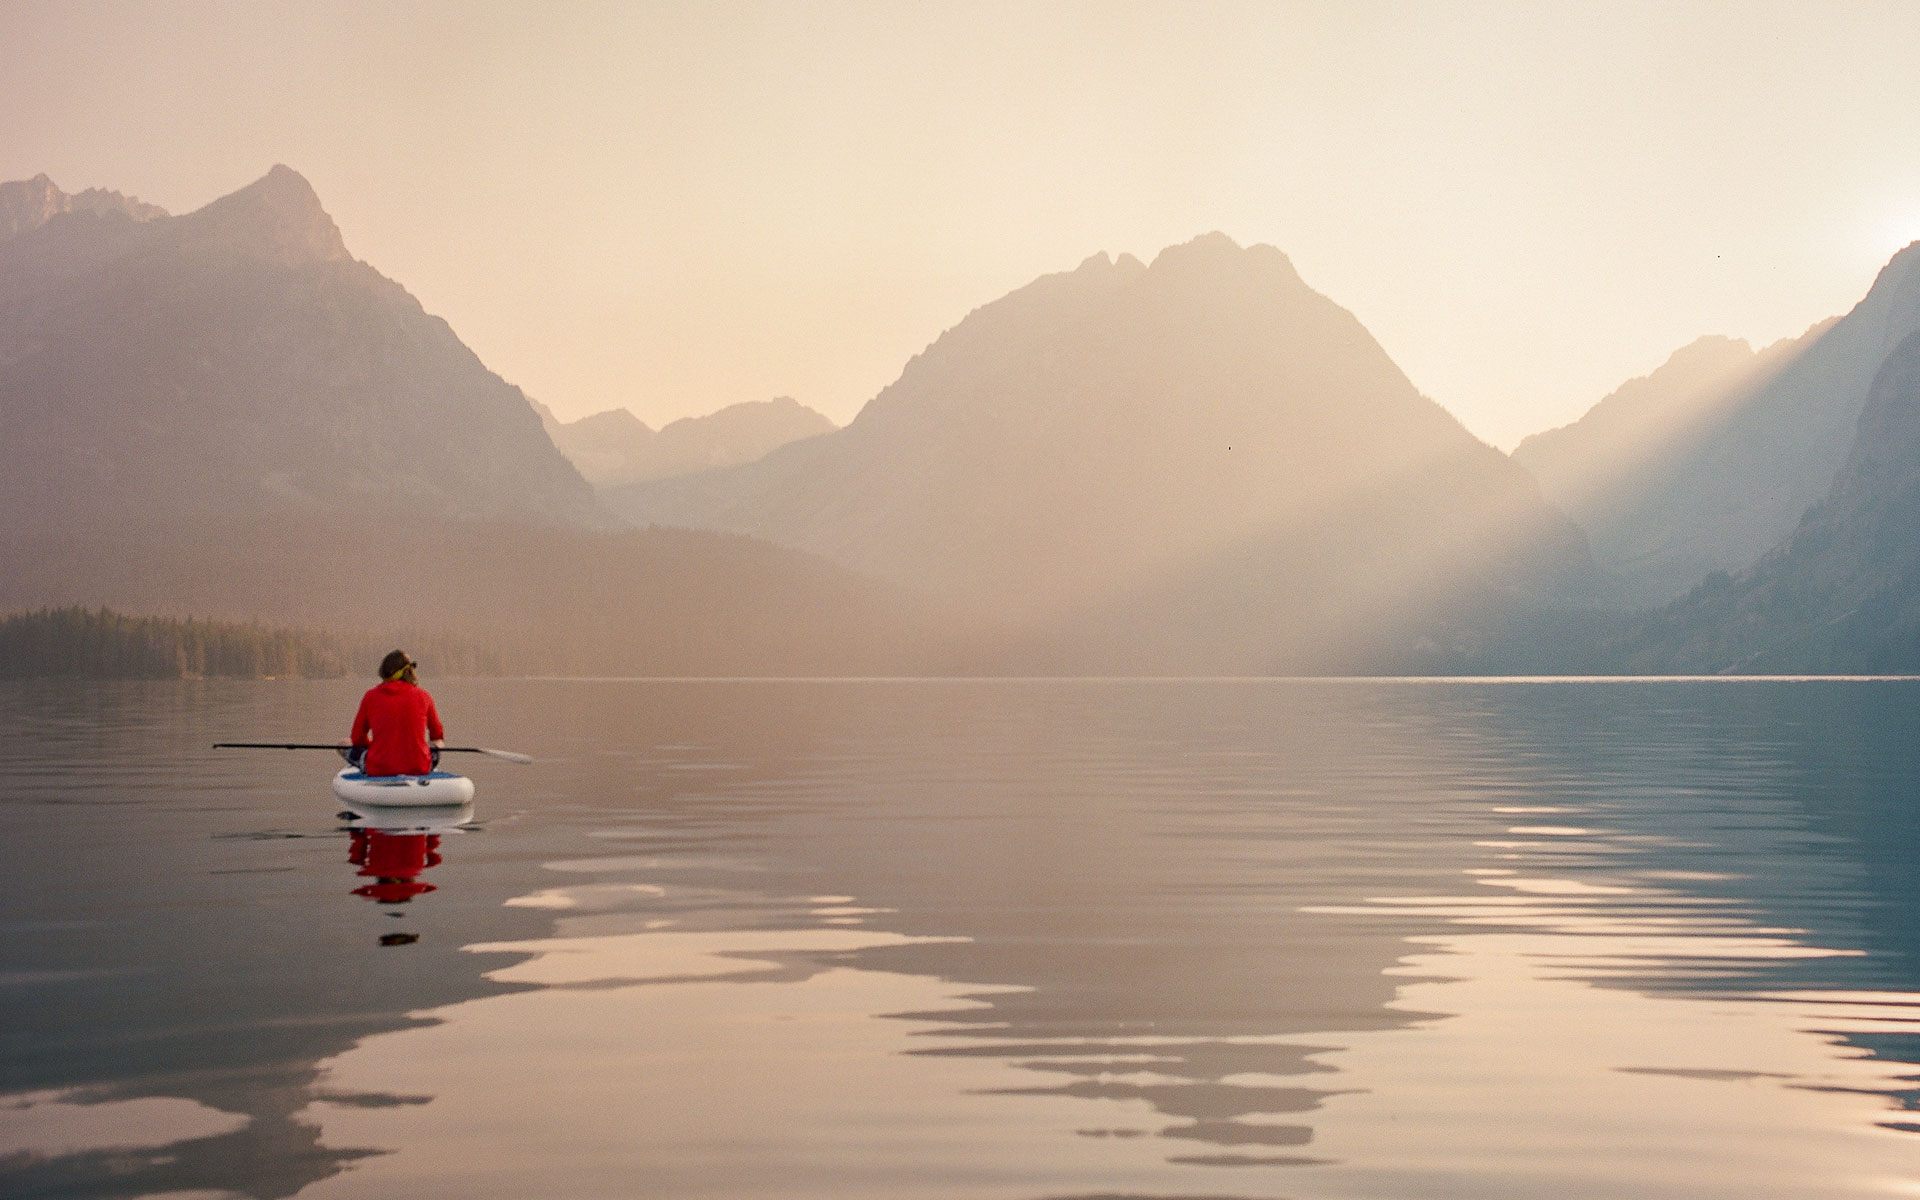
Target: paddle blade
(509, 755)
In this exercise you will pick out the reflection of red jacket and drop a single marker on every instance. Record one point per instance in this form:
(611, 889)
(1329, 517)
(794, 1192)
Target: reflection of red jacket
(396, 720)
(394, 891)
(394, 861)
(377, 852)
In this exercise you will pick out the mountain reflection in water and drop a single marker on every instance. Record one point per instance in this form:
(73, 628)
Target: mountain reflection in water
(1023, 939)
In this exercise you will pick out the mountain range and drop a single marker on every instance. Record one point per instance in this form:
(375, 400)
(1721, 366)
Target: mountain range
(30, 203)
(1195, 465)
(1841, 595)
(616, 447)
(226, 414)
(1708, 463)
(1201, 464)
(238, 358)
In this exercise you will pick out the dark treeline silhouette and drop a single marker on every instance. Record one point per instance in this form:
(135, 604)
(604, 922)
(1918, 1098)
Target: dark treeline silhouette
(99, 643)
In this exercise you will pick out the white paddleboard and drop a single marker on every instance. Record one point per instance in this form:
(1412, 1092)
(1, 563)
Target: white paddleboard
(440, 789)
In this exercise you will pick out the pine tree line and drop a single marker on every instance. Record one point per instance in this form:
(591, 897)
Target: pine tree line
(87, 643)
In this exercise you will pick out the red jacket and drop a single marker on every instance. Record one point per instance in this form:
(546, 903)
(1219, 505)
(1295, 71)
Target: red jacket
(396, 720)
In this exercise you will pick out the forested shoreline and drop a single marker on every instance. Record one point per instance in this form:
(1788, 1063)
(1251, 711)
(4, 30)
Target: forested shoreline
(100, 643)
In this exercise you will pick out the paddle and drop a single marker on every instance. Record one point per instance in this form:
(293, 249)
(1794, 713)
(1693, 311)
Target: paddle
(509, 755)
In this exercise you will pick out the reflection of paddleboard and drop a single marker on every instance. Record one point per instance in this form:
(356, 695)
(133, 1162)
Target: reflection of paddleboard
(436, 790)
(422, 819)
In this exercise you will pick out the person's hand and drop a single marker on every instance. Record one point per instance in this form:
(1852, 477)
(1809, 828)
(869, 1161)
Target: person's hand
(439, 743)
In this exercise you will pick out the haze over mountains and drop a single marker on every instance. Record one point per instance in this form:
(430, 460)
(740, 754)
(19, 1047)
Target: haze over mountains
(1842, 594)
(616, 447)
(226, 414)
(1708, 463)
(239, 359)
(1198, 465)
(30, 203)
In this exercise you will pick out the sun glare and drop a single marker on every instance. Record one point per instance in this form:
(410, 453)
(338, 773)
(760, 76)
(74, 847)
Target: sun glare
(1902, 230)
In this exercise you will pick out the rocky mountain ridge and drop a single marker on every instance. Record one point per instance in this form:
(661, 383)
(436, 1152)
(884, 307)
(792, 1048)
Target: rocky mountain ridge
(30, 203)
(1198, 464)
(226, 414)
(238, 358)
(615, 447)
(1842, 594)
(1710, 462)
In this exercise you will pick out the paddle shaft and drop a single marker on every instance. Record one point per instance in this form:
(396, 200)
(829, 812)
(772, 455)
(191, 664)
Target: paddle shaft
(509, 755)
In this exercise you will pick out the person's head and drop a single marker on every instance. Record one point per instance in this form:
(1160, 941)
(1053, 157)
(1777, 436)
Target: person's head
(398, 666)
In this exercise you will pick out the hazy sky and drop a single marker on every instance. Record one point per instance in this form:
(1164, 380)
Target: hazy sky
(674, 207)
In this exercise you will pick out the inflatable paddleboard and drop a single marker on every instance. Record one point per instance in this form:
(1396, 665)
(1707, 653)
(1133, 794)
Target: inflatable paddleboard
(436, 790)
(394, 819)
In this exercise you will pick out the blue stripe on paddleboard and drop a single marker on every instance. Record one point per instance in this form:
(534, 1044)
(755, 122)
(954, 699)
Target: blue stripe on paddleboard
(358, 777)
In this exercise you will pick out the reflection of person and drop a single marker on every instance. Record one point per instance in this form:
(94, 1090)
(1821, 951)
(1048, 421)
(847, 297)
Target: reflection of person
(397, 730)
(394, 862)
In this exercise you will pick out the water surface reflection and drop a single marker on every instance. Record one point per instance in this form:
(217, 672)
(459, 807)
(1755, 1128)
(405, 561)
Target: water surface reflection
(1052, 939)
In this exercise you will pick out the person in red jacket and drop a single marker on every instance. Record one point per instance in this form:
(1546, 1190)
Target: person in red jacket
(397, 730)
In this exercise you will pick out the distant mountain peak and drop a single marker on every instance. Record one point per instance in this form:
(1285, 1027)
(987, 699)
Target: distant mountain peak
(1200, 465)
(1899, 282)
(616, 421)
(277, 217)
(1839, 593)
(1712, 346)
(1901, 273)
(1106, 264)
(1211, 254)
(30, 203)
(1214, 242)
(244, 334)
(1716, 470)
(1206, 250)
(616, 447)
(100, 200)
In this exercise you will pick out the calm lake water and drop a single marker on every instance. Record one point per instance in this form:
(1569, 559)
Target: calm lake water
(972, 939)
